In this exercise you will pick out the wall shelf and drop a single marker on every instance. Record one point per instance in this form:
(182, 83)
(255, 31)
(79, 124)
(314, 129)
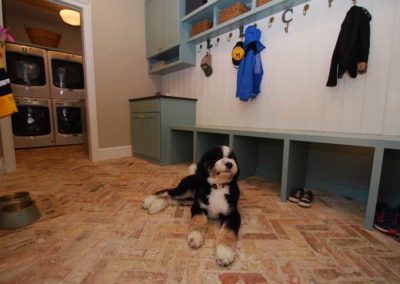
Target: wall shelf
(211, 11)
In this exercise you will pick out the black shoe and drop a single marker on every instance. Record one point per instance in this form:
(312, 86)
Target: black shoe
(387, 220)
(307, 199)
(296, 195)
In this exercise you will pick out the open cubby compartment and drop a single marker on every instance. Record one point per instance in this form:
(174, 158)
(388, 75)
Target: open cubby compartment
(259, 156)
(211, 10)
(208, 140)
(181, 146)
(207, 13)
(173, 59)
(338, 169)
(169, 56)
(389, 187)
(221, 5)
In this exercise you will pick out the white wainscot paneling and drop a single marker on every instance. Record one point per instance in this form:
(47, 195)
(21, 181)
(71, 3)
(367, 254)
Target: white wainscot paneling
(296, 66)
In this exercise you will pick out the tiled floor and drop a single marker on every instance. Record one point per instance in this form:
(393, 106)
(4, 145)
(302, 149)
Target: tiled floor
(106, 237)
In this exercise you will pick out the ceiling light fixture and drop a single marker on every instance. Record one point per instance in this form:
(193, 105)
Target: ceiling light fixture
(71, 17)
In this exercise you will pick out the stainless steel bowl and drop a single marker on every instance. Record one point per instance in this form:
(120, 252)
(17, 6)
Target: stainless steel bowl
(18, 215)
(14, 197)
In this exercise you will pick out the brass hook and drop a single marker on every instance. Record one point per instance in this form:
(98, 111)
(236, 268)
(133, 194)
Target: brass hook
(201, 46)
(241, 34)
(330, 3)
(285, 20)
(229, 37)
(305, 9)
(271, 20)
(216, 42)
(354, 2)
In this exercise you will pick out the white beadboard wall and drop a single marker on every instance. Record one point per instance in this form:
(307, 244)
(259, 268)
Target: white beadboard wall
(296, 65)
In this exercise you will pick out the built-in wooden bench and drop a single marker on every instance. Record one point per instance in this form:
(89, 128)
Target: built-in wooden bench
(284, 153)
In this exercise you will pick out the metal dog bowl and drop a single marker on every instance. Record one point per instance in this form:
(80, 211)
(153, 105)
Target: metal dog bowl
(14, 198)
(17, 215)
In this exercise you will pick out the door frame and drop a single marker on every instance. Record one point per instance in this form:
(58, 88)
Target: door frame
(85, 7)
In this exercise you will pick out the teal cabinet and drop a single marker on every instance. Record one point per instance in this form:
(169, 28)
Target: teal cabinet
(162, 25)
(151, 118)
(154, 26)
(171, 24)
(146, 139)
(165, 53)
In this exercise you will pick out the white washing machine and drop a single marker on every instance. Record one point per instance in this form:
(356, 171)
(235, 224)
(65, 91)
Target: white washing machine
(27, 69)
(66, 75)
(67, 116)
(33, 123)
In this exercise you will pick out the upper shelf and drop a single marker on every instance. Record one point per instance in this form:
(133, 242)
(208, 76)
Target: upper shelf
(211, 11)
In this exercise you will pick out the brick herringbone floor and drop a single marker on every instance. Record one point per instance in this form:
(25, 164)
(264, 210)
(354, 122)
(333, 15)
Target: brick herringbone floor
(105, 236)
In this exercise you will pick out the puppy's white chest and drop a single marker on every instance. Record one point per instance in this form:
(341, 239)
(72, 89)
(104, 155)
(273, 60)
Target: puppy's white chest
(217, 203)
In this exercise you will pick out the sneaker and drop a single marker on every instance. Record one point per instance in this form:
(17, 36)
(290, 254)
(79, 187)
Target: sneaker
(307, 199)
(387, 220)
(296, 195)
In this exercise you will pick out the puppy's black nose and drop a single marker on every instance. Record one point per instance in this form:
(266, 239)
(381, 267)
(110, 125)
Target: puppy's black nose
(228, 165)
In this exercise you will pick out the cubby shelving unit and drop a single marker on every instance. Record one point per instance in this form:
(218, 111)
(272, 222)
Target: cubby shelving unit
(284, 155)
(170, 58)
(210, 11)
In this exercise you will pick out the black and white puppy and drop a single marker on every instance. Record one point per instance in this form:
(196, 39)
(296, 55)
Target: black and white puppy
(213, 192)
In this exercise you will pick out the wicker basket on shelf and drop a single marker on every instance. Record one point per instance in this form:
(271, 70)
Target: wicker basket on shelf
(43, 37)
(201, 27)
(232, 12)
(262, 2)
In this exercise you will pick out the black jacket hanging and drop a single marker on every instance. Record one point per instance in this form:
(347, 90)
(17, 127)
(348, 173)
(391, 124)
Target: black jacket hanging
(352, 46)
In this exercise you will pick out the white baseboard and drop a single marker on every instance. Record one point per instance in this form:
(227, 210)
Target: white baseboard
(115, 152)
(2, 169)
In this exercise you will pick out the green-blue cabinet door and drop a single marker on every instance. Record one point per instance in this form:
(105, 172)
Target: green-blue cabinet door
(171, 24)
(154, 26)
(146, 134)
(151, 136)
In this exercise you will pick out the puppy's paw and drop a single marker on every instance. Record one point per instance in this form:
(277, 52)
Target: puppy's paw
(157, 205)
(225, 255)
(195, 239)
(192, 169)
(148, 201)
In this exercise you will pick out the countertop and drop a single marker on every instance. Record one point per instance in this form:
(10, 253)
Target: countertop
(161, 96)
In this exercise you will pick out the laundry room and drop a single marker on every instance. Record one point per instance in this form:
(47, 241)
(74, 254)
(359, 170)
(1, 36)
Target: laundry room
(44, 64)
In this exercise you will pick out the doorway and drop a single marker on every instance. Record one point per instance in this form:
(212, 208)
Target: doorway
(87, 49)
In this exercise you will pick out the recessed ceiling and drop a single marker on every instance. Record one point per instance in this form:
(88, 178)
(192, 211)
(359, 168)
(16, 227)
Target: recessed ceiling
(43, 4)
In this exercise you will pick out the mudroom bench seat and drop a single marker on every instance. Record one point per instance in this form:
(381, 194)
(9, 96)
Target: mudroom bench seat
(352, 165)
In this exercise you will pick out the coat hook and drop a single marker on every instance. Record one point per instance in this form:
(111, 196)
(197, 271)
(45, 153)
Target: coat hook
(305, 9)
(216, 42)
(201, 46)
(287, 21)
(229, 37)
(354, 2)
(209, 45)
(255, 25)
(271, 20)
(241, 35)
(330, 3)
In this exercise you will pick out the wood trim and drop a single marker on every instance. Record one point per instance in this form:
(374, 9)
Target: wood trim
(7, 140)
(115, 152)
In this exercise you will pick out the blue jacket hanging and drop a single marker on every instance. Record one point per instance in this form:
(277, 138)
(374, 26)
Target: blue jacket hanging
(250, 71)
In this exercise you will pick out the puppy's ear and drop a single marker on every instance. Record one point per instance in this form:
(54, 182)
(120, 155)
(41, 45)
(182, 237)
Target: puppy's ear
(205, 163)
(237, 164)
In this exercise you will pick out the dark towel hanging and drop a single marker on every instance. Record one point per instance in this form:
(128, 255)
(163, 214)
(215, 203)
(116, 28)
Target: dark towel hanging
(352, 46)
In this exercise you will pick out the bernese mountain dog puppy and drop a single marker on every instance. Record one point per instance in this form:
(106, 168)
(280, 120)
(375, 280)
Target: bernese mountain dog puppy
(213, 192)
